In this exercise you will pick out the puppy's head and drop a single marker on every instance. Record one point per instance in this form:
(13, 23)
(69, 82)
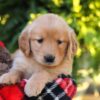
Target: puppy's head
(48, 40)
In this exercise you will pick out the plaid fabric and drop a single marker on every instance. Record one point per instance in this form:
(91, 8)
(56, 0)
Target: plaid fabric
(63, 88)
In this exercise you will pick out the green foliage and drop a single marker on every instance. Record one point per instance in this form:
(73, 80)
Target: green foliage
(82, 15)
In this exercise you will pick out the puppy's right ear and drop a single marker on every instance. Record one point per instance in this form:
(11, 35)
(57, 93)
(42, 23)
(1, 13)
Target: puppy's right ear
(72, 44)
(24, 44)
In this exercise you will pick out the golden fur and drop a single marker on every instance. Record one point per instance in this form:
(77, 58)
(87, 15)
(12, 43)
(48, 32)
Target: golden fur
(58, 39)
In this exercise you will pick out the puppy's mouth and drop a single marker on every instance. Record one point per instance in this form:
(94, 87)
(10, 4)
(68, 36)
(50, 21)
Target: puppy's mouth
(49, 65)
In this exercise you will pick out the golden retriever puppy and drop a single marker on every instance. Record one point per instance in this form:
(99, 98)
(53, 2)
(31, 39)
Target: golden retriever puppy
(46, 49)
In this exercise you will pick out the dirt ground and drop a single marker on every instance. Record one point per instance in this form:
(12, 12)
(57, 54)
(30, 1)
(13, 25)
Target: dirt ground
(87, 97)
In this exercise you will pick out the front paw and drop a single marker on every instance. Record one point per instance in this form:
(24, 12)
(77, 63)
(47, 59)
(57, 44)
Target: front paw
(8, 79)
(33, 89)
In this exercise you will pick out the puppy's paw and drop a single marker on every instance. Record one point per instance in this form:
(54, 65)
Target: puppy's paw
(33, 89)
(8, 79)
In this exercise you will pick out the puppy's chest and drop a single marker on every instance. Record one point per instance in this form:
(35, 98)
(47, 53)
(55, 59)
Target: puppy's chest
(28, 73)
(31, 70)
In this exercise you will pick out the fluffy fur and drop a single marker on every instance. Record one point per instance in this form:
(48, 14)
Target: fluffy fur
(48, 34)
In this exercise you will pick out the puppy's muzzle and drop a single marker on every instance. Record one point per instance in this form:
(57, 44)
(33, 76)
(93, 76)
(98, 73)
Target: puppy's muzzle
(49, 59)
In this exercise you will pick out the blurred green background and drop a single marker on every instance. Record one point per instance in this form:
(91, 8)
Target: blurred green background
(82, 15)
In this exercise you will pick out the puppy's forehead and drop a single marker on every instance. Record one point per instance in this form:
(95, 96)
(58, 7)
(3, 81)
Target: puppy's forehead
(53, 31)
(50, 25)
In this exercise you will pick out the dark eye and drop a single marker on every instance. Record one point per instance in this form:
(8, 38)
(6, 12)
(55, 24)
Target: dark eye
(40, 40)
(59, 41)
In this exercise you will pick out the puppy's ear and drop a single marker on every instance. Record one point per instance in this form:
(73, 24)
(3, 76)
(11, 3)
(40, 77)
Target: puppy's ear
(72, 44)
(24, 44)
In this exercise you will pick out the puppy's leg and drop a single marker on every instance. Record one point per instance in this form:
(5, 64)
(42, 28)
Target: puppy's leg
(36, 83)
(11, 77)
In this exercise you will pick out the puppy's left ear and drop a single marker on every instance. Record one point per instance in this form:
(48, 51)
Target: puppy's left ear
(72, 44)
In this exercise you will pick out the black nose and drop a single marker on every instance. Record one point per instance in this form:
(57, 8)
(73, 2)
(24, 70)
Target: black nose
(49, 58)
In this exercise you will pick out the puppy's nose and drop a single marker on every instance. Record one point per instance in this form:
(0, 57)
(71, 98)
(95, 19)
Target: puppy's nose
(49, 58)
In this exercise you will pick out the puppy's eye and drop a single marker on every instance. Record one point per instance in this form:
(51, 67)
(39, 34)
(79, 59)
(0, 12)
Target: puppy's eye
(59, 41)
(40, 40)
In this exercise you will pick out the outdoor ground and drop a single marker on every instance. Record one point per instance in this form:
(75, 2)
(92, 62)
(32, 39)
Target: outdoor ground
(87, 97)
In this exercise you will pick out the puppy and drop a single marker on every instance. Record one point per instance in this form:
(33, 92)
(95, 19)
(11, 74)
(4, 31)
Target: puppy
(46, 49)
